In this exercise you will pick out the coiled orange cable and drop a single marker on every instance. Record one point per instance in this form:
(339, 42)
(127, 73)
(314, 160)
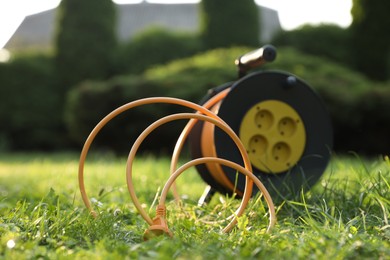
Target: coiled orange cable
(112, 115)
(237, 167)
(208, 116)
(169, 118)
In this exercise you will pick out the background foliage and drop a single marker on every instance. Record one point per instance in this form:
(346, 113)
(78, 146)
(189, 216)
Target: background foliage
(155, 45)
(370, 41)
(237, 23)
(29, 112)
(66, 93)
(326, 41)
(85, 40)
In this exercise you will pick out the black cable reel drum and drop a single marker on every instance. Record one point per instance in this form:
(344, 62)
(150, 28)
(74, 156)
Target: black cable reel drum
(282, 122)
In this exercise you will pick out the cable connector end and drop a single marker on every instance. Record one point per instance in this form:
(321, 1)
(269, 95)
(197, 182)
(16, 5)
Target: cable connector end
(159, 226)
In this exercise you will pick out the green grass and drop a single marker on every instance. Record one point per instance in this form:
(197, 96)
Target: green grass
(345, 216)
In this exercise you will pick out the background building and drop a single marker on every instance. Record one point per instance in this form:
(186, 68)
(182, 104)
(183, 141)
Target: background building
(37, 31)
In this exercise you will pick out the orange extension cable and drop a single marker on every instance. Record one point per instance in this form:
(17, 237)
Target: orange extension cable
(237, 167)
(164, 120)
(209, 117)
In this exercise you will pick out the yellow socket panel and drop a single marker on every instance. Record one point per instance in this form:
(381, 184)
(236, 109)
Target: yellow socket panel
(274, 136)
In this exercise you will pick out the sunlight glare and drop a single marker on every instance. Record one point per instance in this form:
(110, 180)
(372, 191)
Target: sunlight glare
(11, 244)
(5, 55)
(292, 14)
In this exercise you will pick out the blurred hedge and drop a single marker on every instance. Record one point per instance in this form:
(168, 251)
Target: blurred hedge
(188, 78)
(236, 24)
(85, 40)
(30, 104)
(32, 93)
(357, 106)
(325, 40)
(153, 46)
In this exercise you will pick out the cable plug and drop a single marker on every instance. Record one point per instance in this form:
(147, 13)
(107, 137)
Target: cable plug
(159, 226)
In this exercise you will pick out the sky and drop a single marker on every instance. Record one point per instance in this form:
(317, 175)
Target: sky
(292, 13)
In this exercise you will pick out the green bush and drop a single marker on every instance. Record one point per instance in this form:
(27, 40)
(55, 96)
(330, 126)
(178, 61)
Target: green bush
(155, 46)
(326, 40)
(372, 134)
(30, 104)
(350, 98)
(227, 23)
(370, 38)
(90, 101)
(188, 78)
(85, 40)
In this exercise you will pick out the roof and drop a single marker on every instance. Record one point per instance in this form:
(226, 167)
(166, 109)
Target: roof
(38, 30)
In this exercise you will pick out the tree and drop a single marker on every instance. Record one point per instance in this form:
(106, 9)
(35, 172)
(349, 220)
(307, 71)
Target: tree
(371, 38)
(226, 23)
(85, 40)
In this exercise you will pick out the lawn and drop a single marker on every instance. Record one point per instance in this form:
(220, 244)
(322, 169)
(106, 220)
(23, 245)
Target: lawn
(345, 216)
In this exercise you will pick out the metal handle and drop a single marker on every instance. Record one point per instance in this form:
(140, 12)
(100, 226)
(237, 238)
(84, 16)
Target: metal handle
(256, 58)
